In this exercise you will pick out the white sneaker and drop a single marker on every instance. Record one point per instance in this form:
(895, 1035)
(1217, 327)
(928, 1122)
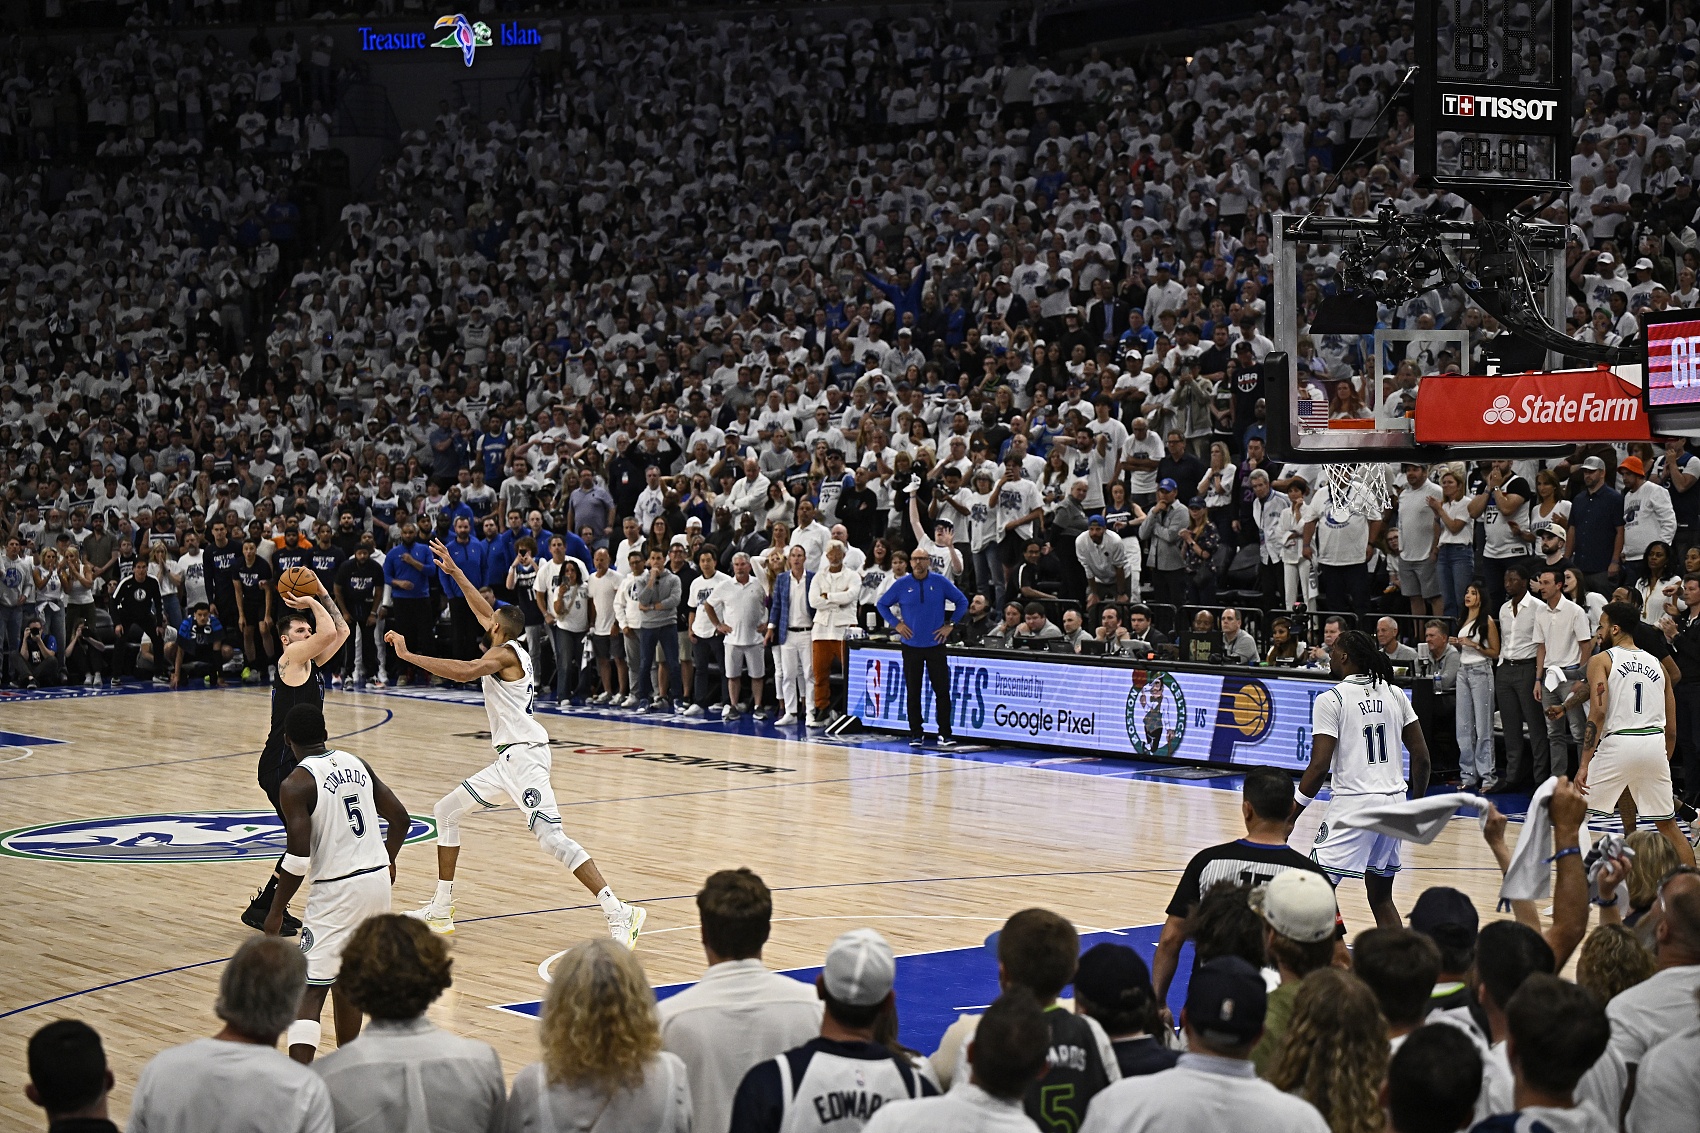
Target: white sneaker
(817, 720)
(599, 698)
(727, 712)
(440, 921)
(630, 701)
(789, 717)
(693, 710)
(625, 925)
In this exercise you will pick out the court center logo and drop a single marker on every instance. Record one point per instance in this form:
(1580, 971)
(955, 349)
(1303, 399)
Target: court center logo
(151, 839)
(1155, 714)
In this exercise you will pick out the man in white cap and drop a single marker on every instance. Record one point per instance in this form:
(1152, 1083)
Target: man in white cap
(1301, 933)
(841, 1079)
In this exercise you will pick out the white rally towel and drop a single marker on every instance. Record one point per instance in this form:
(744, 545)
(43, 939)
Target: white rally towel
(1529, 876)
(1414, 820)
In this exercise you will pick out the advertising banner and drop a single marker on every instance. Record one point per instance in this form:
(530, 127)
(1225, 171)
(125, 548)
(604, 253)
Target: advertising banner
(1250, 716)
(1557, 406)
(1673, 363)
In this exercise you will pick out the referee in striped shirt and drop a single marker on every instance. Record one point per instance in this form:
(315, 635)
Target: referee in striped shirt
(915, 608)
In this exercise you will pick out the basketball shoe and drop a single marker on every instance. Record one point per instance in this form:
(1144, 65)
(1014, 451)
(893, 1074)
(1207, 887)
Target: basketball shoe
(625, 925)
(440, 921)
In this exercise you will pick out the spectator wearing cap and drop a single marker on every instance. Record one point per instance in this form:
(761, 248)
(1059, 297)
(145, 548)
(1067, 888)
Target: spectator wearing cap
(69, 1078)
(1300, 934)
(1213, 1086)
(1104, 559)
(839, 1080)
(1648, 517)
(1550, 543)
(739, 1013)
(1449, 920)
(1595, 536)
(1164, 525)
(1008, 1054)
(1113, 986)
(1266, 808)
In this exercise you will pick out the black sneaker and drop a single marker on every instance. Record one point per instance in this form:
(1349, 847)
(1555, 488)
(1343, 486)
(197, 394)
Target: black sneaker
(1685, 810)
(254, 916)
(917, 743)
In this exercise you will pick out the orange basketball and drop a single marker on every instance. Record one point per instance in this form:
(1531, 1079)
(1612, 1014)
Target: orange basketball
(297, 582)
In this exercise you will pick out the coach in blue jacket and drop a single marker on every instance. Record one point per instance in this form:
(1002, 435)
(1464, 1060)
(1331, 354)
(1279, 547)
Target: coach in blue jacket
(922, 622)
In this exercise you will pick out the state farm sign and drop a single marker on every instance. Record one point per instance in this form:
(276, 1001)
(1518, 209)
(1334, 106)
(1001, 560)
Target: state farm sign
(1557, 407)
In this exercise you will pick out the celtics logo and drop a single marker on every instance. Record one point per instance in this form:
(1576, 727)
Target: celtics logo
(1156, 714)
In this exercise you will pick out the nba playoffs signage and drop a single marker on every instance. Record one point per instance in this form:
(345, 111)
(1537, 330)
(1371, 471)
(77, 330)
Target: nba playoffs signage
(1240, 716)
(456, 33)
(1563, 405)
(193, 836)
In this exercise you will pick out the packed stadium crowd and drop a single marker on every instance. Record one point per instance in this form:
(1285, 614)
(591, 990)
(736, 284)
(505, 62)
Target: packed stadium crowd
(1456, 1021)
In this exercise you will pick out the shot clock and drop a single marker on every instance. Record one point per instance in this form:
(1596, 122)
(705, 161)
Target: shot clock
(1492, 110)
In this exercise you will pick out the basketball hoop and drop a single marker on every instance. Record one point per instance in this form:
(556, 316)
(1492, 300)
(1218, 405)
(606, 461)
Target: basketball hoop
(1358, 488)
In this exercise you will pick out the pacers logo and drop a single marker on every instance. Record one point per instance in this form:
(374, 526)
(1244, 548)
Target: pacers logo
(1155, 714)
(1244, 714)
(194, 836)
(531, 798)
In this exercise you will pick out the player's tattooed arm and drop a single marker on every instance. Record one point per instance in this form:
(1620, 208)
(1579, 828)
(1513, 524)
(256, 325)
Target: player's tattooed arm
(1590, 738)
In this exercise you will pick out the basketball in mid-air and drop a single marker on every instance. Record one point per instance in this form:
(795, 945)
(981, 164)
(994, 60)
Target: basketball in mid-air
(297, 582)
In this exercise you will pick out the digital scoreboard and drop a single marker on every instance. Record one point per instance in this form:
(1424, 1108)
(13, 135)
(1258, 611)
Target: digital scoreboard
(1672, 390)
(1492, 109)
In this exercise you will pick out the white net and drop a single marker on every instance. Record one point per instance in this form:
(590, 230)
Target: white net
(1357, 488)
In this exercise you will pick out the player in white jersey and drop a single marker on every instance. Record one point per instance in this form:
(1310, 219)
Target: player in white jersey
(1356, 729)
(520, 771)
(330, 804)
(1631, 730)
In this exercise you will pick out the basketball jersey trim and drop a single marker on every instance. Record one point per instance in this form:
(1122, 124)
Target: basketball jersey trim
(475, 796)
(1352, 873)
(356, 873)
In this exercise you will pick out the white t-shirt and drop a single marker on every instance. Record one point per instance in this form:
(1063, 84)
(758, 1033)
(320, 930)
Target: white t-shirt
(1017, 498)
(702, 590)
(1204, 1093)
(1465, 535)
(603, 590)
(1417, 522)
(191, 567)
(549, 576)
(1341, 537)
(216, 1084)
(1367, 719)
(1148, 448)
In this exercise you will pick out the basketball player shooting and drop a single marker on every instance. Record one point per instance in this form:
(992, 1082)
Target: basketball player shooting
(1631, 730)
(520, 771)
(330, 804)
(311, 632)
(1356, 729)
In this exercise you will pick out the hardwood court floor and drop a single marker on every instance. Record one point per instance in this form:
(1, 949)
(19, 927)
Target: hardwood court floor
(932, 851)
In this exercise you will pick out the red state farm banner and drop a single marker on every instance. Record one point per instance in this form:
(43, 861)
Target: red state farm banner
(1556, 406)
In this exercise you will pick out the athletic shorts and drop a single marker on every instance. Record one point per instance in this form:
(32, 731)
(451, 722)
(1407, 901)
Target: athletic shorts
(519, 774)
(1011, 548)
(1636, 764)
(602, 646)
(1349, 852)
(1418, 579)
(746, 661)
(334, 910)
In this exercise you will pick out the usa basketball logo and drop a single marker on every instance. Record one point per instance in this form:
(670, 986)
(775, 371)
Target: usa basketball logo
(1155, 714)
(193, 836)
(531, 798)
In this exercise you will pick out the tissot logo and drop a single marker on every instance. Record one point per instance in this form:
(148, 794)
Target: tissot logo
(1493, 106)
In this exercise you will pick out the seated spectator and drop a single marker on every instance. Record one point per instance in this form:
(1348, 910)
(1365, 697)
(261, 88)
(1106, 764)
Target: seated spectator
(1387, 636)
(1213, 1085)
(1318, 656)
(238, 1079)
(1039, 950)
(1433, 1080)
(842, 1078)
(1039, 576)
(1204, 622)
(1334, 1051)
(1141, 628)
(1301, 927)
(1284, 648)
(1113, 986)
(1074, 629)
(974, 629)
(1035, 626)
(404, 1073)
(1557, 1032)
(602, 1064)
(739, 1013)
(1612, 961)
(69, 1078)
(1238, 646)
(1005, 1058)
(1003, 637)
